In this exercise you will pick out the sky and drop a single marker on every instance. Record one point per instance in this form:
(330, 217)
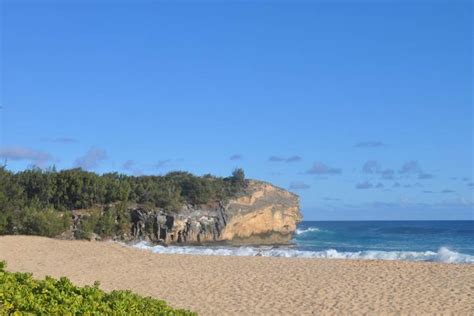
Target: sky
(362, 108)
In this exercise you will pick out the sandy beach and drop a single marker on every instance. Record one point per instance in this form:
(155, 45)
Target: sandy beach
(218, 285)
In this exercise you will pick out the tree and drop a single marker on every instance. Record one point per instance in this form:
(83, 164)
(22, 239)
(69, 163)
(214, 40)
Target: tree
(238, 176)
(35, 201)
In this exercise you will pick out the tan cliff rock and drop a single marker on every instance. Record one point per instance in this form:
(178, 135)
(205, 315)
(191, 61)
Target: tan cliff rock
(261, 214)
(266, 213)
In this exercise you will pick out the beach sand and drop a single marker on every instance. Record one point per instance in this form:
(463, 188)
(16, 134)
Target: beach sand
(218, 285)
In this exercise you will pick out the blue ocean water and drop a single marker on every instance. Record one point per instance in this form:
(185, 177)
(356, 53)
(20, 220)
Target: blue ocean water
(435, 241)
(450, 241)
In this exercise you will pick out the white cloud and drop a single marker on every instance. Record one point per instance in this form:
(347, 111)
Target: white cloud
(91, 159)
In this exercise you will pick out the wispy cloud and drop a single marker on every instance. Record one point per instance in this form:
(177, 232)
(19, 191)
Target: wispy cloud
(320, 168)
(413, 168)
(371, 167)
(294, 158)
(447, 191)
(128, 165)
(396, 185)
(368, 185)
(427, 191)
(162, 163)
(424, 176)
(92, 159)
(298, 185)
(364, 185)
(416, 206)
(387, 174)
(460, 201)
(276, 159)
(327, 198)
(410, 167)
(131, 166)
(374, 167)
(60, 140)
(236, 157)
(369, 144)
(18, 153)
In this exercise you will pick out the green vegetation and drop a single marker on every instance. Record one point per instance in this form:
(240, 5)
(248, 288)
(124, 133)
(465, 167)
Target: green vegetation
(39, 202)
(106, 221)
(21, 294)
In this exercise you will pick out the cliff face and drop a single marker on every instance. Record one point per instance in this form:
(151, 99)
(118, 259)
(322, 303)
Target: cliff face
(262, 214)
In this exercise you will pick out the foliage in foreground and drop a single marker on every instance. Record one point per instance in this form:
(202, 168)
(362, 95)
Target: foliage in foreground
(20, 293)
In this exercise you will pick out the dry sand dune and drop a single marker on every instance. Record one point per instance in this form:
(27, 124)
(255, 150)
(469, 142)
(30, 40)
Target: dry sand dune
(213, 285)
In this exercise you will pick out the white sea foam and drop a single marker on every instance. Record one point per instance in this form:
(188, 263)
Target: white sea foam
(307, 230)
(442, 255)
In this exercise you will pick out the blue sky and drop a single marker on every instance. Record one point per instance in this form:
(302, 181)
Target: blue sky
(364, 109)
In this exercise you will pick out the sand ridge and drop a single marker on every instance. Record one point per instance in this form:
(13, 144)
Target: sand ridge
(219, 285)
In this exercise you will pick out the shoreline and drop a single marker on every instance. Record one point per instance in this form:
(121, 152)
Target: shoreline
(245, 285)
(442, 255)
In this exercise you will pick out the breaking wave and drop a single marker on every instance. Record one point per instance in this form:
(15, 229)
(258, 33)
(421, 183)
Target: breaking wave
(307, 230)
(442, 255)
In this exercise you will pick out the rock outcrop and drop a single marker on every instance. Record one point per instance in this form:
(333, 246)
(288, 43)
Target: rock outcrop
(262, 214)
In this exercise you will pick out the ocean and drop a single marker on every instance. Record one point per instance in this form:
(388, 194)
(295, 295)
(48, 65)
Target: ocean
(434, 241)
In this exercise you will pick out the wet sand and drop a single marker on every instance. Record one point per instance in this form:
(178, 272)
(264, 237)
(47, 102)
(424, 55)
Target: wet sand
(219, 285)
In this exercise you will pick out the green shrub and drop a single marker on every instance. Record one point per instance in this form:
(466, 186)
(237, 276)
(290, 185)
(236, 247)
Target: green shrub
(21, 294)
(47, 222)
(124, 221)
(106, 224)
(33, 201)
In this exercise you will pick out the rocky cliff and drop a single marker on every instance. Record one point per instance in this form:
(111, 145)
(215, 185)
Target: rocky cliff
(261, 214)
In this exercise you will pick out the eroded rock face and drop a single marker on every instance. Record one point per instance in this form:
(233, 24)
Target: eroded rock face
(263, 214)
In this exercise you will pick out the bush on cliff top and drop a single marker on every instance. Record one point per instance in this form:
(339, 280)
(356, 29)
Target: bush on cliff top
(80, 189)
(30, 199)
(20, 293)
